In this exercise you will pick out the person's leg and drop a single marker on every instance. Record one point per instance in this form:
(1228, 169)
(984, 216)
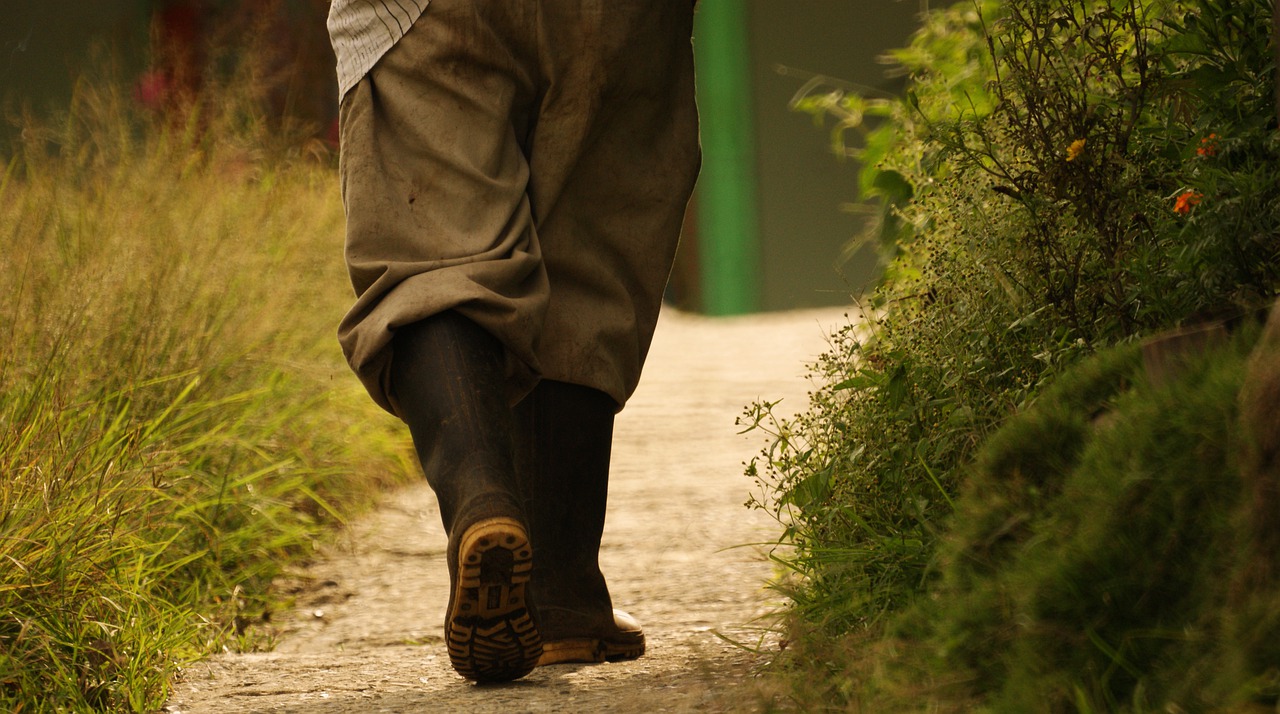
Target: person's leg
(434, 176)
(613, 160)
(449, 383)
(444, 256)
(564, 436)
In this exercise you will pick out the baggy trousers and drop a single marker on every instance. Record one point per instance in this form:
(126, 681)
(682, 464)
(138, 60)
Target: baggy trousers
(527, 164)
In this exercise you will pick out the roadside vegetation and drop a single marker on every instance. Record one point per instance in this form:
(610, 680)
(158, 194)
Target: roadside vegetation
(176, 422)
(1062, 179)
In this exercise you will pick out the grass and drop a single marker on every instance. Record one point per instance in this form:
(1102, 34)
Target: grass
(176, 421)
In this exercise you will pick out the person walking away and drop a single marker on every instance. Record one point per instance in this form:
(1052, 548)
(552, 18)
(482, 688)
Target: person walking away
(514, 174)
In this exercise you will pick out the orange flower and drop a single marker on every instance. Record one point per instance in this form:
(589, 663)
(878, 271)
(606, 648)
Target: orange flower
(1186, 200)
(1208, 146)
(1076, 148)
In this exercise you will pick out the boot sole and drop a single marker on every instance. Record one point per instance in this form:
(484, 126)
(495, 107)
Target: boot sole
(591, 651)
(490, 633)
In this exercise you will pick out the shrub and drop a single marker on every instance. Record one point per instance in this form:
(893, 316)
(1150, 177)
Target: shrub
(1062, 175)
(1096, 560)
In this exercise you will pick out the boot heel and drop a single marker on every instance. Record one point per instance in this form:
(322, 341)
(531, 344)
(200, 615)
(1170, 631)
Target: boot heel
(489, 628)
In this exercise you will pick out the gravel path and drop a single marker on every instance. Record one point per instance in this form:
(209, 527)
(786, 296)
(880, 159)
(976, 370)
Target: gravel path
(366, 632)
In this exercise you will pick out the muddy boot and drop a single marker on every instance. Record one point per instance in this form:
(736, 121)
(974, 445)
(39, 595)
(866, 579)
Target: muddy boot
(563, 437)
(448, 379)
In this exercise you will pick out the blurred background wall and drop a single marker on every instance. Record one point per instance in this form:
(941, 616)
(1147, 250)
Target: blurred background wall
(166, 51)
(766, 230)
(45, 44)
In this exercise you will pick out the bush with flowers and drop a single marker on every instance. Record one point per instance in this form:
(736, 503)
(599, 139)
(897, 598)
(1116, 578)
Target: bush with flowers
(1061, 177)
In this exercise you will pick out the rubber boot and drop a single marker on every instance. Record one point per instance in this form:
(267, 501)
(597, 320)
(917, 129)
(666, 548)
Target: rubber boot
(448, 379)
(564, 437)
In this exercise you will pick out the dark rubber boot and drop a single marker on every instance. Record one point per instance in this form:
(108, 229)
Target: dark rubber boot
(564, 435)
(448, 378)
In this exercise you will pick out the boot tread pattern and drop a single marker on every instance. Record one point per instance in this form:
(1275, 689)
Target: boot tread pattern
(490, 633)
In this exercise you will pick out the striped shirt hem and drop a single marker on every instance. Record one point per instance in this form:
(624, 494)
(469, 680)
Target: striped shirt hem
(363, 30)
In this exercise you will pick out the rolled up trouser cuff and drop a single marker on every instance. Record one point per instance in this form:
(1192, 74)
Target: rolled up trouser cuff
(366, 335)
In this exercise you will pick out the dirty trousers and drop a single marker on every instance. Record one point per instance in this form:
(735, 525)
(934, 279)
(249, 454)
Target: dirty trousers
(527, 164)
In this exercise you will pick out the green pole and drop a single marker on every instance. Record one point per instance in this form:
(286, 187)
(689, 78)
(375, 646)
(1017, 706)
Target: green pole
(728, 238)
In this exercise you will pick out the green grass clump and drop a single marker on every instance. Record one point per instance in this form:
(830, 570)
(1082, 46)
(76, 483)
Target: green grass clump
(1103, 583)
(176, 421)
(1098, 560)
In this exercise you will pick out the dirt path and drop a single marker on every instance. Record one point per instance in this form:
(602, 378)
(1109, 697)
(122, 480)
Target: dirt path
(366, 635)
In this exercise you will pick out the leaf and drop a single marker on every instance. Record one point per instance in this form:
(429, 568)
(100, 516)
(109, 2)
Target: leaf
(858, 382)
(893, 186)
